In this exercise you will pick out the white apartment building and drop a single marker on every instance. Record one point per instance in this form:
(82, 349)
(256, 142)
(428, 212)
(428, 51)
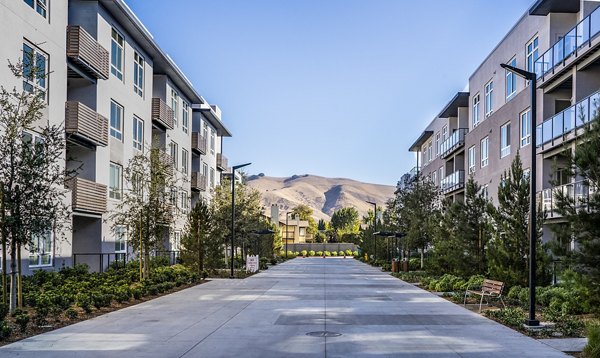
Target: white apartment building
(119, 94)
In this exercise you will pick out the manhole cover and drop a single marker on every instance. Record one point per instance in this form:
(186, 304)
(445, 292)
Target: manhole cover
(323, 334)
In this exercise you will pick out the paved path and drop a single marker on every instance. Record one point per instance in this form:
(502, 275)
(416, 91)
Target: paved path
(270, 314)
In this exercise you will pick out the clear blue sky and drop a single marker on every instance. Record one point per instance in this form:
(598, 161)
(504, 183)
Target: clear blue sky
(337, 88)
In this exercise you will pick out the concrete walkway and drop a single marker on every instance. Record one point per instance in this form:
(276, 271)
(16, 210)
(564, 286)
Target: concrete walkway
(270, 314)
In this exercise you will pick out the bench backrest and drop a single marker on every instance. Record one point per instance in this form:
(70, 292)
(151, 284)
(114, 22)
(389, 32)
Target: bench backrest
(492, 286)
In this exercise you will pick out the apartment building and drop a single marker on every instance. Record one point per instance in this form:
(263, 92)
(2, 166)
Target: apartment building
(118, 94)
(557, 40)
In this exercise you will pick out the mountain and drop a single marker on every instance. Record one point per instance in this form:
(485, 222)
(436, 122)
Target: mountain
(323, 195)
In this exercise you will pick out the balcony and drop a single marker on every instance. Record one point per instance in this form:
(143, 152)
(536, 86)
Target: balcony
(563, 126)
(577, 192)
(198, 181)
(454, 142)
(453, 182)
(84, 123)
(198, 143)
(161, 113)
(167, 161)
(575, 46)
(87, 53)
(87, 196)
(221, 162)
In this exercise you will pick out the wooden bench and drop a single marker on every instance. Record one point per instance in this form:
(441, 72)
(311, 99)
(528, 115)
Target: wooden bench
(490, 288)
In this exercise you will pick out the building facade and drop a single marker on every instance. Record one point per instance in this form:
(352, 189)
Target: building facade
(119, 95)
(558, 41)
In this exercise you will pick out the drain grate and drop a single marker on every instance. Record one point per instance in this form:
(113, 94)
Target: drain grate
(323, 334)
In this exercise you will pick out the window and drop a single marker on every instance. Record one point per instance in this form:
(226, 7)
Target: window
(205, 170)
(38, 5)
(173, 196)
(138, 133)
(526, 174)
(484, 192)
(138, 74)
(434, 177)
(532, 54)
(511, 80)
(441, 171)
(472, 159)
(525, 128)
(35, 64)
(489, 98)
(205, 131)
(212, 141)
(430, 151)
(185, 116)
(174, 153)
(40, 251)
(184, 201)
(444, 133)
(116, 54)
(184, 161)
(177, 241)
(484, 151)
(505, 140)
(437, 145)
(116, 120)
(475, 119)
(115, 184)
(174, 101)
(212, 177)
(120, 242)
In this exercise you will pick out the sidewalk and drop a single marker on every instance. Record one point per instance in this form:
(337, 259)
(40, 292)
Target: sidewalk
(366, 313)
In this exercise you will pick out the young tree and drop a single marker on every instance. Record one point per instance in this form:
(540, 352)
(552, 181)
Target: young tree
(32, 173)
(509, 248)
(306, 213)
(198, 233)
(148, 205)
(321, 226)
(344, 221)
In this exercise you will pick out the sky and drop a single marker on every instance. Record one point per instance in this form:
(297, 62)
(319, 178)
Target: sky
(337, 88)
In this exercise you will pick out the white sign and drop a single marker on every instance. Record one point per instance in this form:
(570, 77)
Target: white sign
(252, 263)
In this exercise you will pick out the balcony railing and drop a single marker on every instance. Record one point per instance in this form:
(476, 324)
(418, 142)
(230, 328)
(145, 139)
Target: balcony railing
(569, 45)
(162, 113)
(578, 192)
(221, 161)
(87, 196)
(198, 181)
(453, 181)
(85, 123)
(198, 143)
(86, 52)
(568, 120)
(455, 141)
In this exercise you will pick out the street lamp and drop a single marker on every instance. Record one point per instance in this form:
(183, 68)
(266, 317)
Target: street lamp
(532, 77)
(395, 235)
(374, 224)
(261, 232)
(233, 210)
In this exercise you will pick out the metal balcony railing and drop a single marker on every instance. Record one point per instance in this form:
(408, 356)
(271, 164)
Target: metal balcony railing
(87, 196)
(199, 143)
(198, 181)
(87, 53)
(579, 192)
(221, 161)
(455, 141)
(162, 113)
(86, 124)
(453, 181)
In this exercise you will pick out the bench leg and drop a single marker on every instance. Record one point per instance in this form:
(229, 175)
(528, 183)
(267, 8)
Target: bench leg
(480, 303)
(501, 300)
(465, 301)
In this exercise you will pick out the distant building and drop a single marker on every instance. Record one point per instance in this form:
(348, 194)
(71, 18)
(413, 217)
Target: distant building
(295, 231)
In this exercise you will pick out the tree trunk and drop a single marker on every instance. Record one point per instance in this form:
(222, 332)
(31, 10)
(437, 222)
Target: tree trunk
(422, 258)
(13, 278)
(19, 278)
(4, 240)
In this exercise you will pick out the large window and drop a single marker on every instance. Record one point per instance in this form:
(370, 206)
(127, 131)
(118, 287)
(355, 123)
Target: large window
(174, 154)
(40, 250)
(532, 54)
(476, 101)
(489, 98)
(174, 102)
(505, 140)
(116, 54)
(430, 151)
(525, 128)
(184, 201)
(184, 161)
(185, 116)
(484, 151)
(138, 133)
(212, 141)
(116, 120)
(437, 144)
(471, 159)
(40, 6)
(444, 133)
(35, 67)
(138, 74)
(115, 183)
(205, 170)
(120, 240)
(511, 80)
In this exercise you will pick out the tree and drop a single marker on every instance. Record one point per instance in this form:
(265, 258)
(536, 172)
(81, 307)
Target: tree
(148, 207)
(582, 214)
(32, 173)
(321, 226)
(344, 221)
(198, 233)
(509, 248)
(306, 213)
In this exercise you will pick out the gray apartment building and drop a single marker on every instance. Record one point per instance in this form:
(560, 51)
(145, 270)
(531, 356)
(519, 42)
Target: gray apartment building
(479, 133)
(118, 94)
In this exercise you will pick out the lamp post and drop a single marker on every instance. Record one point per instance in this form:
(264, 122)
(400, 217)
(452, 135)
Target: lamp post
(260, 232)
(395, 235)
(233, 210)
(374, 225)
(532, 77)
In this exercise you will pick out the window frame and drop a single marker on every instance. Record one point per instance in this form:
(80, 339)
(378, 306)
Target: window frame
(115, 192)
(116, 133)
(175, 154)
(471, 159)
(40, 6)
(174, 106)
(40, 250)
(37, 83)
(184, 161)
(510, 80)
(525, 140)
(476, 109)
(185, 116)
(138, 138)
(484, 160)
(505, 140)
(532, 53)
(115, 37)
(138, 73)
(438, 144)
(489, 98)
(120, 236)
(212, 141)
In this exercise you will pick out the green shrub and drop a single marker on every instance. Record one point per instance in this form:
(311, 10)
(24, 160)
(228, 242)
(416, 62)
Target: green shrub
(341, 253)
(349, 252)
(311, 253)
(327, 253)
(447, 283)
(263, 263)
(296, 253)
(355, 253)
(22, 320)
(304, 252)
(290, 255)
(273, 262)
(5, 330)
(334, 253)
(319, 253)
(414, 264)
(511, 317)
(71, 313)
(281, 253)
(592, 349)
(4, 309)
(474, 282)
